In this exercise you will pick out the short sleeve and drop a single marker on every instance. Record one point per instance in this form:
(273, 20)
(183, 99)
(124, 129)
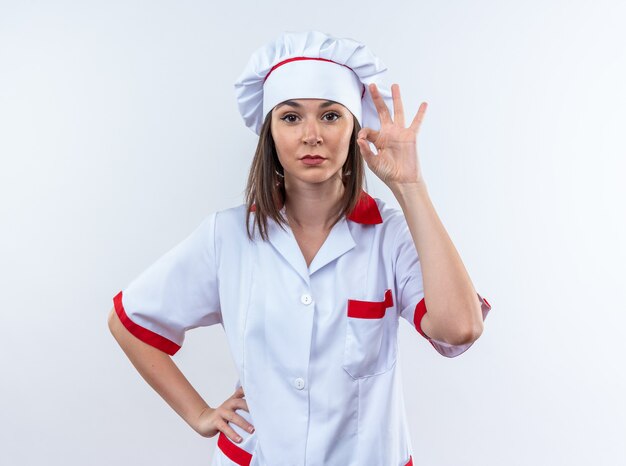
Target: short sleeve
(410, 290)
(176, 293)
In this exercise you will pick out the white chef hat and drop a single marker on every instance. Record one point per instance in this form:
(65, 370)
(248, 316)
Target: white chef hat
(316, 65)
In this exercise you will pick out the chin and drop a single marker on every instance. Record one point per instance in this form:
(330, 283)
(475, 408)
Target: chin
(314, 178)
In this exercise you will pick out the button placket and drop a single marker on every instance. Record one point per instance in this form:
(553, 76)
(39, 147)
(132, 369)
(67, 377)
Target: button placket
(305, 299)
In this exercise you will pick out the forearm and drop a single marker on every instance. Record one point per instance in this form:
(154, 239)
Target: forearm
(162, 374)
(451, 300)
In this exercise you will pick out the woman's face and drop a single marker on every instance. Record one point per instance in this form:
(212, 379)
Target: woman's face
(311, 127)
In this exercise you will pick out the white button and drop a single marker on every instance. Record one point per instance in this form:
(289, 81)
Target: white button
(306, 299)
(299, 383)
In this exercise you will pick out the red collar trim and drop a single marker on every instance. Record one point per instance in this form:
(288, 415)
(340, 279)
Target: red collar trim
(366, 210)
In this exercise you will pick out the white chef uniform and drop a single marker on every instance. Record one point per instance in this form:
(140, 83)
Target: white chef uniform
(315, 347)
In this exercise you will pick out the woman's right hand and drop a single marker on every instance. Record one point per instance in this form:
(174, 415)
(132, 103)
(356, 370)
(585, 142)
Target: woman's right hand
(214, 420)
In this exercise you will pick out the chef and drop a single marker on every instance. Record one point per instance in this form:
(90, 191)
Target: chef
(310, 276)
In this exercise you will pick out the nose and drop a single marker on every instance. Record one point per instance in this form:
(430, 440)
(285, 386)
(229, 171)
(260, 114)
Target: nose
(312, 134)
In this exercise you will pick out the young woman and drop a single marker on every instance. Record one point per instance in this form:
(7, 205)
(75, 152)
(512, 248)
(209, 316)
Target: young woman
(310, 276)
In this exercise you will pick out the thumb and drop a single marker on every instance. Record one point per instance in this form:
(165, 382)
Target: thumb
(368, 134)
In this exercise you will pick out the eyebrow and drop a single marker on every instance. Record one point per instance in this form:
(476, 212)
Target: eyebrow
(328, 103)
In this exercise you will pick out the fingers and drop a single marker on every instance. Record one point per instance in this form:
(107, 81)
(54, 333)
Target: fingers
(228, 415)
(235, 418)
(240, 403)
(417, 121)
(368, 134)
(229, 432)
(365, 150)
(398, 110)
(383, 111)
(238, 393)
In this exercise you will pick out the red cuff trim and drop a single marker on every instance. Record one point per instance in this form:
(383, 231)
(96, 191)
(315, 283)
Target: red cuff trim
(370, 309)
(420, 311)
(145, 335)
(410, 463)
(232, 451)
(486, 302)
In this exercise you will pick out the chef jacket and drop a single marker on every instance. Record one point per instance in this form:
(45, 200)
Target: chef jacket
(315, 347)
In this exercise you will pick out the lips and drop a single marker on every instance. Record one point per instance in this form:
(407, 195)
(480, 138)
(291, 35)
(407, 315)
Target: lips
(312, 159)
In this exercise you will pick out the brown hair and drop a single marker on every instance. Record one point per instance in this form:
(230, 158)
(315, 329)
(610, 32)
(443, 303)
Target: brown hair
(266, 189)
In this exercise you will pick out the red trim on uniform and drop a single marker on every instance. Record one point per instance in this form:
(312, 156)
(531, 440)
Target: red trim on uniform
(145, 335)
(420, 311)
(309, 58)
(243, 458)
(232, 451)
(370, 309)
(366, 210)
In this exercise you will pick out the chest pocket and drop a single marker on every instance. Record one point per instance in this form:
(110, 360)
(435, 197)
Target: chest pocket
(371, 335)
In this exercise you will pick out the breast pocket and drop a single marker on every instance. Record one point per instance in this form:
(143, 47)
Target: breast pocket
(371, 333)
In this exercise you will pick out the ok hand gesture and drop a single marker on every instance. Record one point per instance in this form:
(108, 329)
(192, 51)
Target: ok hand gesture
(396, 162)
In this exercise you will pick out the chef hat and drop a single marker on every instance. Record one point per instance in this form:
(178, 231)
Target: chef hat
(311, 64)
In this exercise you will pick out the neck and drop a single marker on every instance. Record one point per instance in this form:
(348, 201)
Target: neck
(313, 207)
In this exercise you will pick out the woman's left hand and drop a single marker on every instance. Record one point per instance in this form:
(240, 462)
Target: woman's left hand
(396, 162)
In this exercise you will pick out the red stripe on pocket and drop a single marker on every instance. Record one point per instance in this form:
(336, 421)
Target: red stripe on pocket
(232, 451)
(370, 309)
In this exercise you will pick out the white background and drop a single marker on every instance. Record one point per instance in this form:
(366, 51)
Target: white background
(119, 133)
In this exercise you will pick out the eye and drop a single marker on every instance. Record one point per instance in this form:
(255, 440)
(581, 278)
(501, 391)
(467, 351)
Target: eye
(289, 115)
(332, 113)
